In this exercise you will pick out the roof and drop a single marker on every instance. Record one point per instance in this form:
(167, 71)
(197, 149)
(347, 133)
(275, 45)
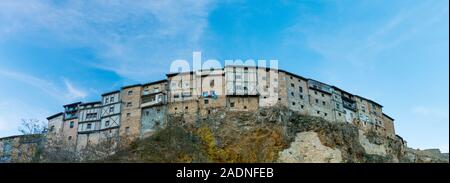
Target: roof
(369, 100)
(116, 91)
(76, 103)
(91, 103)
(54, 115)
(156, 82)
(388, 117)
(130, 86)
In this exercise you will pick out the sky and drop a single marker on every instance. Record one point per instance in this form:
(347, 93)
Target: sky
(393, 52)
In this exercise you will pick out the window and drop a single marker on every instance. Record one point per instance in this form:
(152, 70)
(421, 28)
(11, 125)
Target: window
(52, 128)
(301, 96)
(232, 104)
(339, 114)
(324, 103)
(129, 104)
(147, 113)
(317, 101)
(128, 115)
(315, 93)
(186, 107)
(71, 124)
(209, 111)
(211, 83)
(293, 103)
(89, 126)
(245, 107)
(127, 130)
(292, 78)
(106, 100)
(301, 89)
(302, 106)
(323, 95)
(176, 108)
(112, 99)
(107, 123)
(130, 92)
(111, 109)
(318, 112)
(176, 96)
(205, 94)
(292, 93)
(292, 85)
(206, 101)
(337, 106)
(69, 138)
(325, 114)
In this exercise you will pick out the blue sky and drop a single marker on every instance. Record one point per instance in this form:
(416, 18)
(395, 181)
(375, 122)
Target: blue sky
(394, 52)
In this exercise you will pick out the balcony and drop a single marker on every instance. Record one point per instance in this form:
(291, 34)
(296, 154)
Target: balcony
(151, 100)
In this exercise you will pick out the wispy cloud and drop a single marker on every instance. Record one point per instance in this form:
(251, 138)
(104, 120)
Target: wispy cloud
(74, 93)
(63, 94)
(131, 38)
(431, 113)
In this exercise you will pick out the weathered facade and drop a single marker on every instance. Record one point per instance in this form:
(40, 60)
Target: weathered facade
(21, 148)
(137, 110)
(130, 126)
(88, 124)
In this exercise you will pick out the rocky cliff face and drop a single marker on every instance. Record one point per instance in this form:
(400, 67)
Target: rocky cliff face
(269, 135)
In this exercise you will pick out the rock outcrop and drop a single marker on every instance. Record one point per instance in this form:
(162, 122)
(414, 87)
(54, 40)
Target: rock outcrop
(273, 134)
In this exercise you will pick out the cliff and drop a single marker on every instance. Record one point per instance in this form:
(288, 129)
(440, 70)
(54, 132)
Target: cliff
(269, 135)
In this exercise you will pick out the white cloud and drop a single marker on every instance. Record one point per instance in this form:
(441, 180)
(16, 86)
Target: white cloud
(132, 38)
(63, 94)
(74, 93)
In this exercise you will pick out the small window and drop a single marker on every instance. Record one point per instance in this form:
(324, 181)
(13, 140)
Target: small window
(69, 138)
(292, 85)
(211, 83)
(72, 124)
(324, 103)
(147, 113)
(339, 114)
(245, 107)
(292, 93)
(89, 126)
(318, 112)
(325, 114)
(106, 123)
(317, 101)
(176, 108)
(301, 89)
(315, 93)
(206, 101)
(129, 104)
(111, 109)
(186, 107)
(323, 95)
(209, 111)
(301, 96)
(232, 104)
(302, 106)
(52, 128)
(112, 99)
(128, 114)
(293, 103)
(130, 92)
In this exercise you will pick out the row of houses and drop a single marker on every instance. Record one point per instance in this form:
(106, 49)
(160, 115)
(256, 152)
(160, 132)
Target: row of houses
(136, 111)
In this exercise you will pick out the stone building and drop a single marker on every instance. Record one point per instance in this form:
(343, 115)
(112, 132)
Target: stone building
(153, 106)
(21, 148)
(88, 124)
(55, 126)
(137, 110)
(110, 116)
(130, 121)
(70, 125)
